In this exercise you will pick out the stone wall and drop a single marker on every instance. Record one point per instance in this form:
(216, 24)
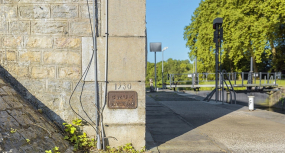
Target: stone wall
(274, 99)
(16, 113)
(42, 47)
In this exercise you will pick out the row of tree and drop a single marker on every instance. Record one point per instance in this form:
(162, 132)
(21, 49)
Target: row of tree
(252, 28)
(169, 67)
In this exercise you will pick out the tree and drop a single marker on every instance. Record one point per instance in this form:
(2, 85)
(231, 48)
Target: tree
(250, 30)
(170, 67)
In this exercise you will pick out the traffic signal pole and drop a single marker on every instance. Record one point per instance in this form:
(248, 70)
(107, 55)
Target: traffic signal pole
(217, 65)
(217, 25)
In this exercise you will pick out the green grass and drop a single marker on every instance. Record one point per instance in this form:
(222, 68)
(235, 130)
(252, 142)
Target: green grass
(281, 83)
(213, 82)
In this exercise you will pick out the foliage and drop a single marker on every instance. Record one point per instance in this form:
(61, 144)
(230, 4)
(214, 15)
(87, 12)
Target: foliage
(128, 148)
(77, 122)
(169, 67)
(54, 150)
(251, 29)
(13, 130)
(83, 143)
(73, 134)
(28, 140)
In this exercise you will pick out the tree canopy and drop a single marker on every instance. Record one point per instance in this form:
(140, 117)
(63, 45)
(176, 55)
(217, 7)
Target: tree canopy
(252, 28)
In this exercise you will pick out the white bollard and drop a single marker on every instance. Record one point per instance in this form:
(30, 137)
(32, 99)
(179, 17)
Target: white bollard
(251, 103)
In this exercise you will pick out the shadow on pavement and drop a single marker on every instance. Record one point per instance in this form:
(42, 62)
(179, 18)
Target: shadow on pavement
(164, 124)
(260, 98)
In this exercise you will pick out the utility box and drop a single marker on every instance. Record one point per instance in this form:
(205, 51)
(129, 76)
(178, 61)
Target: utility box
(251, 103)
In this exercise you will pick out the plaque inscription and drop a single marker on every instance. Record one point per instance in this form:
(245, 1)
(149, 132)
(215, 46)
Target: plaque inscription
(122, 100)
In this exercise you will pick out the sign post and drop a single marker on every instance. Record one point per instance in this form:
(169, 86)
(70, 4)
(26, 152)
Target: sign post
(155, 47)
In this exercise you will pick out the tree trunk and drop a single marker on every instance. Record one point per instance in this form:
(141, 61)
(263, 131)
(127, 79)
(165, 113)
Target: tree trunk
(273, 50)
(255, 69)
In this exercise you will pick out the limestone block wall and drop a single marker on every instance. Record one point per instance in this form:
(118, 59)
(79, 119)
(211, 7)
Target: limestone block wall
(41, 45)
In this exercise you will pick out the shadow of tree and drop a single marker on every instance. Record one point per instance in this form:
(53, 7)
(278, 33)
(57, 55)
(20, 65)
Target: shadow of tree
(164, 124)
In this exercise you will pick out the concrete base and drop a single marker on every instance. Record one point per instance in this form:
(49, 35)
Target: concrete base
(121, 134)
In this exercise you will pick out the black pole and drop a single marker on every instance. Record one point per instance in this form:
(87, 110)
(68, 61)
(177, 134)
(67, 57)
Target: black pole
(217, 64)
(155, 69)
(196, 70)
(250, 73)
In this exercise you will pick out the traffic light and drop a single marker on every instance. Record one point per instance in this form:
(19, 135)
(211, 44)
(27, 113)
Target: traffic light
(221, 33)
(217, 21)
(215, 36)
(218, 33)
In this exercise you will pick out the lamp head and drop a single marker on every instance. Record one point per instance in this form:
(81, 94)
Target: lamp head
(164, 48)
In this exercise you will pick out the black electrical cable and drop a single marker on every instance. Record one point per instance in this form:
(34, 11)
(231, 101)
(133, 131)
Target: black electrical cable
(88, 67)
(81, 101)
(75, 89)
(85, 73)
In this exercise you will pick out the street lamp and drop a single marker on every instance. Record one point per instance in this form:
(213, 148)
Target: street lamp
(162, 66)
(155, 47)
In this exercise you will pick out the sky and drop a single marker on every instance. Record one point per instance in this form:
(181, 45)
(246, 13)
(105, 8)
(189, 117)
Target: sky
(166, 20)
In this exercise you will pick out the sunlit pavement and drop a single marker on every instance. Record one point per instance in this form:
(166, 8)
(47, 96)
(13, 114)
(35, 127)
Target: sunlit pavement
(178, 124)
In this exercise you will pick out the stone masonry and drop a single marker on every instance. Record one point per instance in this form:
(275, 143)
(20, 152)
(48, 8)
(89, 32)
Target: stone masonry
(41, 47)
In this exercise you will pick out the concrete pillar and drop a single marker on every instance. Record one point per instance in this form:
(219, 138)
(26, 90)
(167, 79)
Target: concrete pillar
(126, 73)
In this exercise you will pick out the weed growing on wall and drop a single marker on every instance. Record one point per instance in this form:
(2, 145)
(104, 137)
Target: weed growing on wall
(128, 148)
(54, 150)
(78, 140)
(81, 142)
(13, 130)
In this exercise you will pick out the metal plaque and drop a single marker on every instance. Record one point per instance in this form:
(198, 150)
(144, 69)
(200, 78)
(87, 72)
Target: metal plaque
(122, 100)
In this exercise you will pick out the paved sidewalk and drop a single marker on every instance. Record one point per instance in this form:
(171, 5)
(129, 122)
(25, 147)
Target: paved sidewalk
(168, 132)
(190, 125)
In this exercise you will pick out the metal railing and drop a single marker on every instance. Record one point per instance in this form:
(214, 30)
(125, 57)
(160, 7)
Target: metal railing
(230, 90)
(238, 79)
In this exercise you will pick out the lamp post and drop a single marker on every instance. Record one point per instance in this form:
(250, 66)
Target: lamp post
(162, 66)
(155, 47)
